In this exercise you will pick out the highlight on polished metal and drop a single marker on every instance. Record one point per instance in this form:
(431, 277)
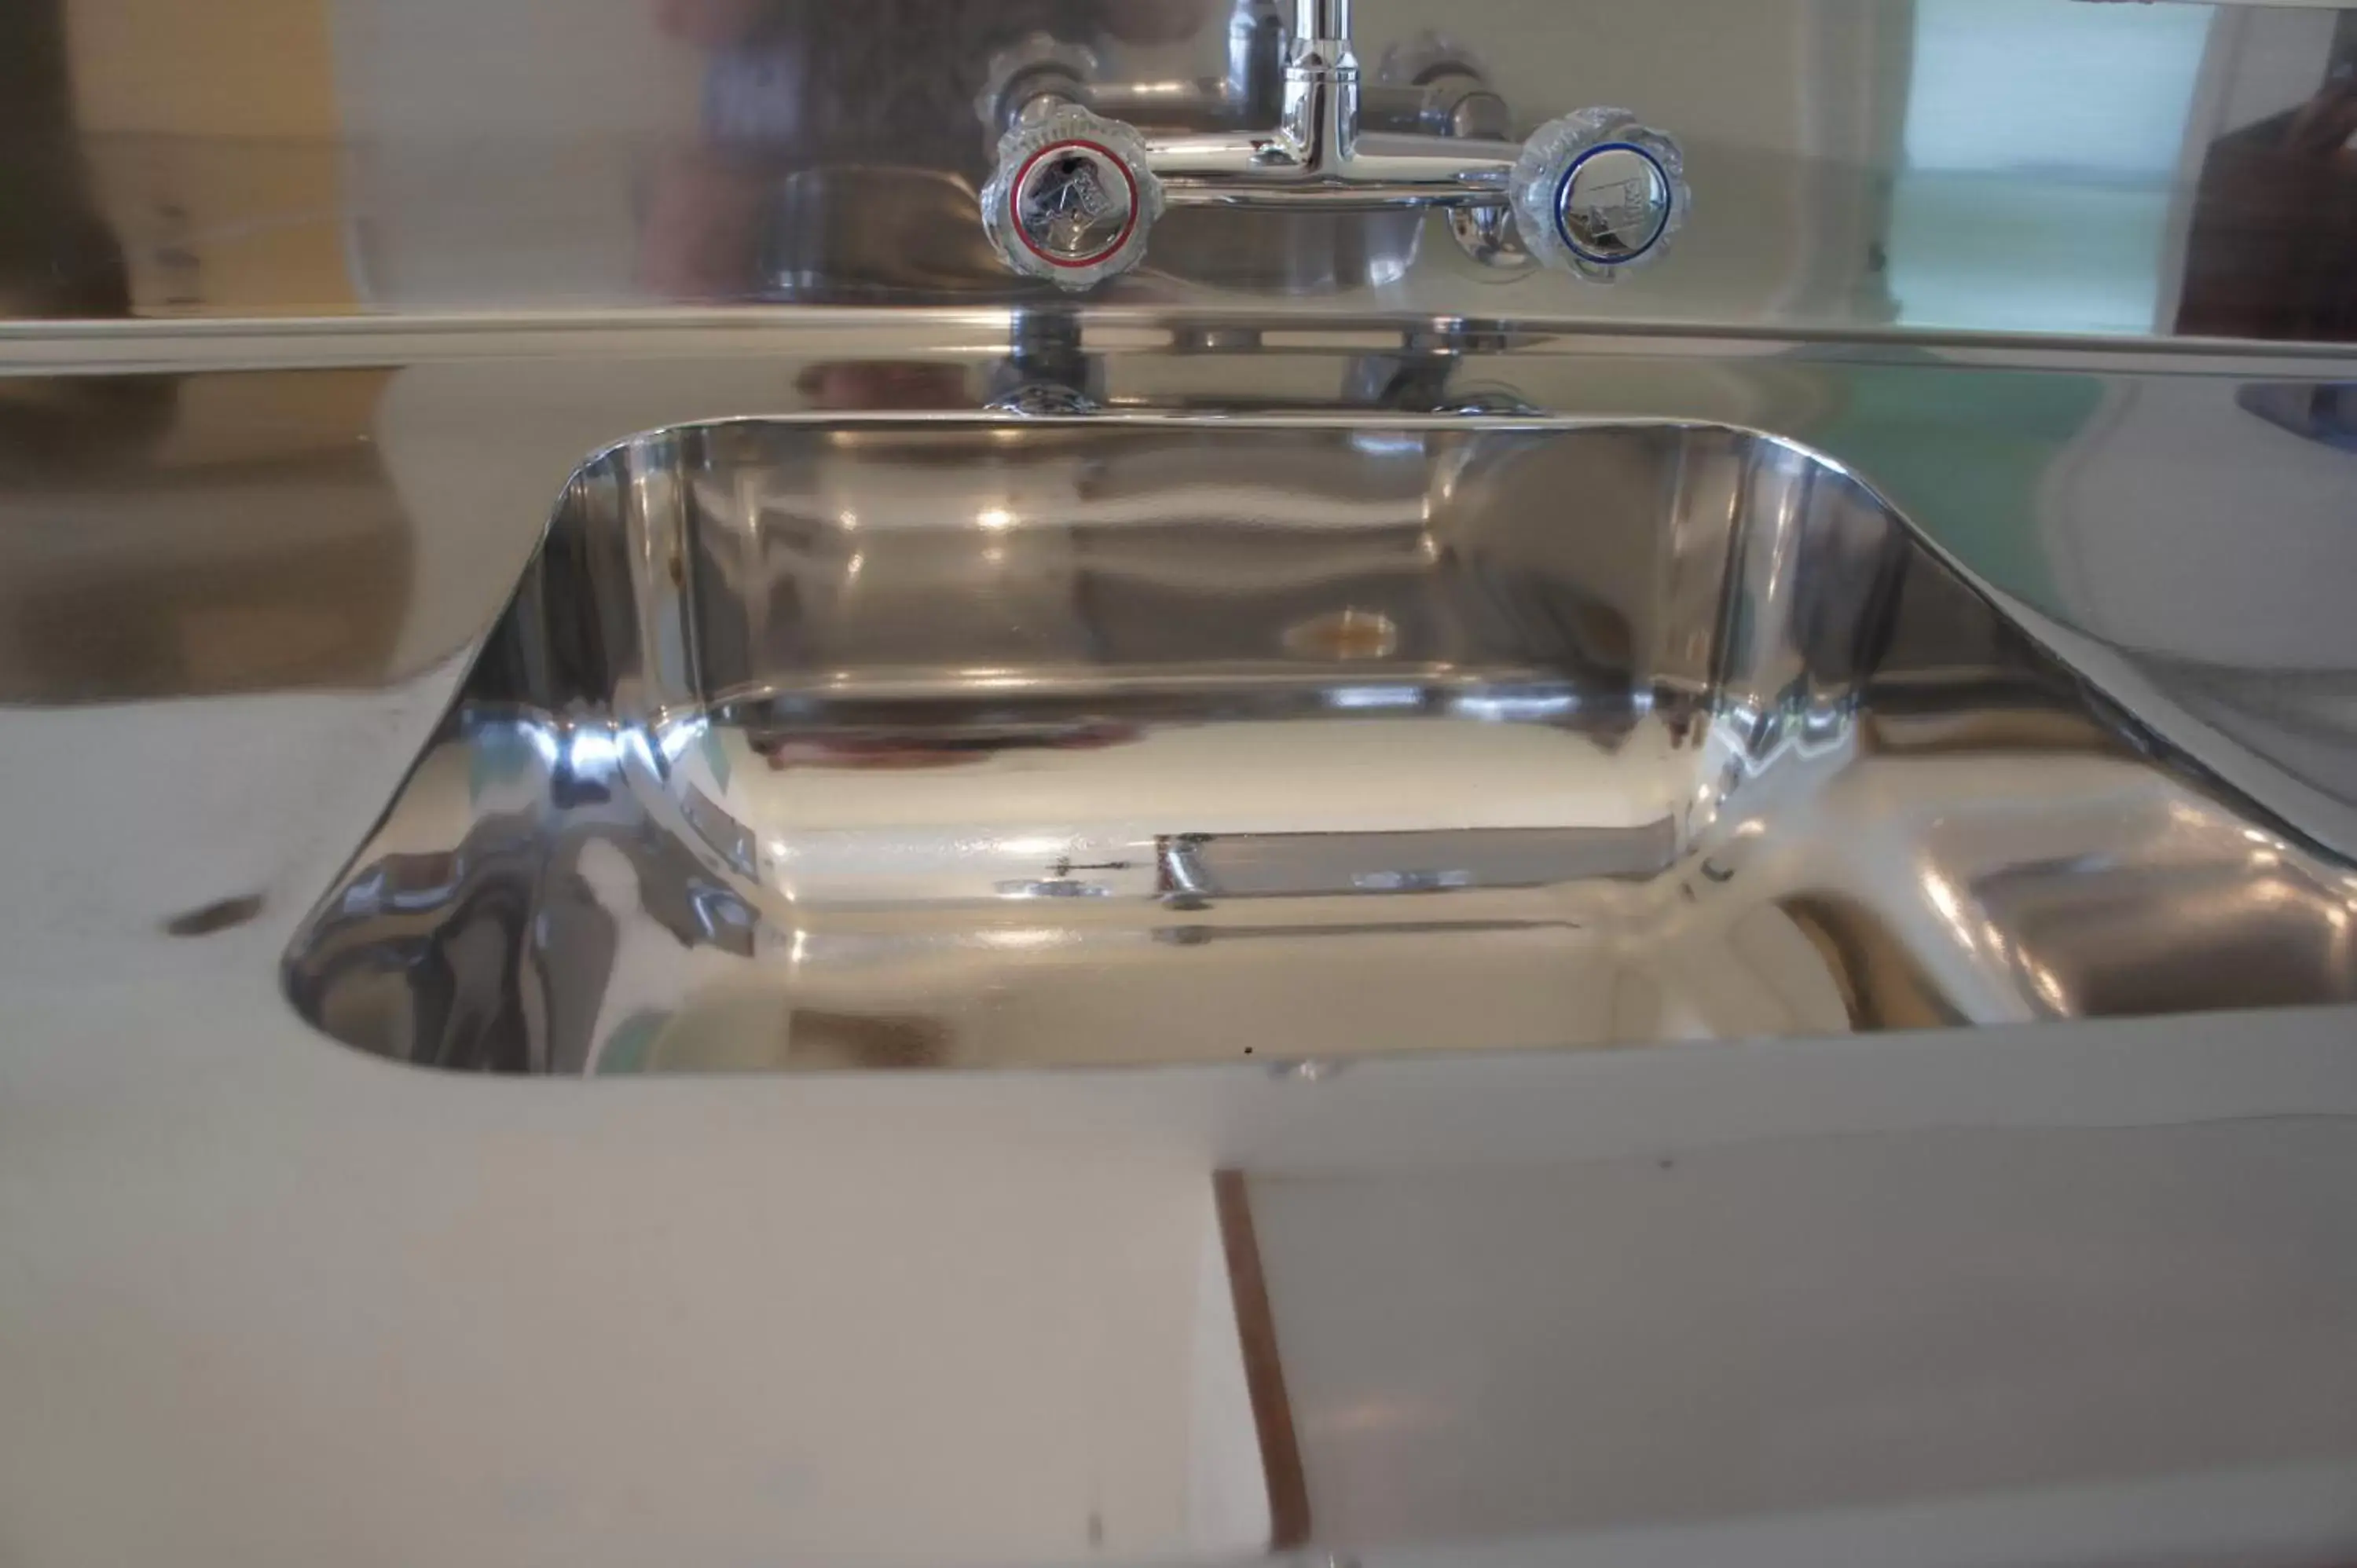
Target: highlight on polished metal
(1605, 206)
(970, 742)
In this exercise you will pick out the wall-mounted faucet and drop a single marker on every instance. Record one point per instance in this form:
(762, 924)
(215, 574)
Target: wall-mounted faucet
(1076, 189)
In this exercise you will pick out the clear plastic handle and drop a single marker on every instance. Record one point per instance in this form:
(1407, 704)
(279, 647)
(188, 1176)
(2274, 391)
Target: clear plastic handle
(1071, 199)
(1597, 193)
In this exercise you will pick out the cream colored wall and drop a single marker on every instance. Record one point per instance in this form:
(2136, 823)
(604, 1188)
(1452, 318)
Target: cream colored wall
(210, 131)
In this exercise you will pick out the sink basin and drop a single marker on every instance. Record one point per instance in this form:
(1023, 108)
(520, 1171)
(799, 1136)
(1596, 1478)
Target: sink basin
(963, 743)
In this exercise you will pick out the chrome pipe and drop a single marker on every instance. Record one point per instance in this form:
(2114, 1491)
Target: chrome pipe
(1332, 197)
(1257, 169)
(1432, 163)
(1322, 19)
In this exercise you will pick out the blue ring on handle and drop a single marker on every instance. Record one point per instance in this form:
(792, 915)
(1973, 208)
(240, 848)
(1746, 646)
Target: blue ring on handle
(1670, 196)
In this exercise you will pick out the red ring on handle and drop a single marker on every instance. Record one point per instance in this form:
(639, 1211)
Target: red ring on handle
(1015, 198)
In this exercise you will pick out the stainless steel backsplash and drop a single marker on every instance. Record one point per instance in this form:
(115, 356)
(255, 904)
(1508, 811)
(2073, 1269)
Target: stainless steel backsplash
(2064, 166)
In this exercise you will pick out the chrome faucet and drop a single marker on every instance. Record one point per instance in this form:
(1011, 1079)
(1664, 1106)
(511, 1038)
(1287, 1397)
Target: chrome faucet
(1075, 190)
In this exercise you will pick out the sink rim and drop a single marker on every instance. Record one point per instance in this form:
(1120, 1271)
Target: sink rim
(637, 448)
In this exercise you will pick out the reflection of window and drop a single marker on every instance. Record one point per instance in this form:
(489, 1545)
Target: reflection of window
(2042, 138)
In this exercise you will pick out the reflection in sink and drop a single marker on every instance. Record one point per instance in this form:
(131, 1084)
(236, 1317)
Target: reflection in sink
(958, 743)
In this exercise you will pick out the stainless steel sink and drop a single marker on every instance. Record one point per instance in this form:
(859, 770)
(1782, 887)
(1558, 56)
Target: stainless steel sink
(969, 742)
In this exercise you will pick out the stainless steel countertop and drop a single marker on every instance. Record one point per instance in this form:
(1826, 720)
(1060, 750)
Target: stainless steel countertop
(274, 1301)
(2054, 1292)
